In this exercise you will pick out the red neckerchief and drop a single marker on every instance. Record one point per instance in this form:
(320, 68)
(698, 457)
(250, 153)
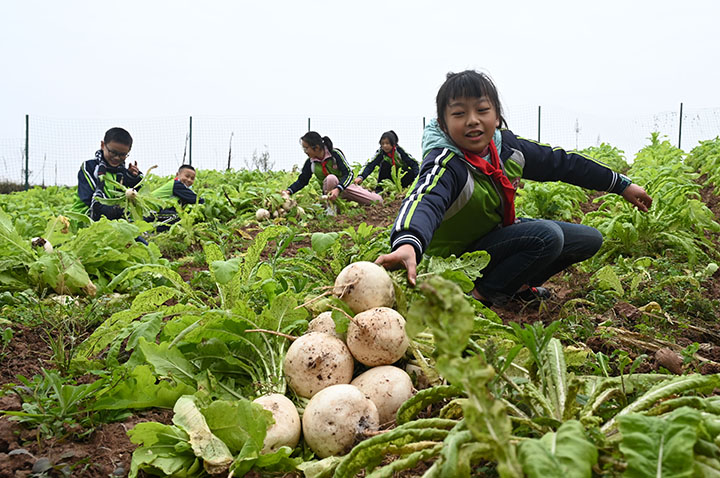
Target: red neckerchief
(496, 173)
(392, 156)
(324, 167)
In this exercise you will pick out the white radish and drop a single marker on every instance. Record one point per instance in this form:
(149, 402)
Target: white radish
(286, 429)
(262, 214)
(364, 285)
(377, 337)
(388, 387)
(324, 323)
(336, 417)
(315, 361)
(41, 241)
(130, 193)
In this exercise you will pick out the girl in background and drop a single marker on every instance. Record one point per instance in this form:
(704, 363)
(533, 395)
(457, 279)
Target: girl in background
(390, 156)
(330, 168)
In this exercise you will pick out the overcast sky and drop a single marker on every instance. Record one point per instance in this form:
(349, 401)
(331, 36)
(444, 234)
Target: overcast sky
(153, 58)
(156, 59)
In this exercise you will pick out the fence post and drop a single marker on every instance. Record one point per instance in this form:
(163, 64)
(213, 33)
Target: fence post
(680, 128)
(423, 123)
(27, 152)
(190, 144)
(539, 116)
(308, 124)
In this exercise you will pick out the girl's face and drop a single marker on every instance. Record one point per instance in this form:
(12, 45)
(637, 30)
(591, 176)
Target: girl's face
(470, 122)
(315, 152)
(386, 146)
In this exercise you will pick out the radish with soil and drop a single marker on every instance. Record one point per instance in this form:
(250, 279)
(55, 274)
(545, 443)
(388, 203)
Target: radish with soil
(315, 361)
(336, 417)
(324, 323)
(388, 387)
(364, 285)
(377, 337)
(286, 429)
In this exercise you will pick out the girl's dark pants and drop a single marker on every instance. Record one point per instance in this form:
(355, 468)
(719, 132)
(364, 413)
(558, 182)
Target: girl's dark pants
(530, 252)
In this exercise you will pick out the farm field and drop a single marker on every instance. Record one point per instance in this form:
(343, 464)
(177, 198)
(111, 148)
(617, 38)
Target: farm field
(120, 359)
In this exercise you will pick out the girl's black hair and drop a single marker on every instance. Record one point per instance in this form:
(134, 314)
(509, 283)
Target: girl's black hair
(313, 139)
(118, 135)
(391, 136)
(470, 84)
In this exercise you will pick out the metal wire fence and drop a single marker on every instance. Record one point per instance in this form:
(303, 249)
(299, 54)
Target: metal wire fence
(54, 148)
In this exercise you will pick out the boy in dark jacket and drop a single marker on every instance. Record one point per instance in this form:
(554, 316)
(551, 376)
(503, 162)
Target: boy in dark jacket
(109, 159)
(179, 190)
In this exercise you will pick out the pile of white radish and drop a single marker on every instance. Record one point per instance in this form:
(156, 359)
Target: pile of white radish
(272, 209)
(319, 365)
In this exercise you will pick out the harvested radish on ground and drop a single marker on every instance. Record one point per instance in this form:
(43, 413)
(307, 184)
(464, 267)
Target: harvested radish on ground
(41, 242)
(377, 337)
(315, 361)
(388, 387)
(324, 323)
(364, 285)
(262, 214)
(336, 418)
(286, 429)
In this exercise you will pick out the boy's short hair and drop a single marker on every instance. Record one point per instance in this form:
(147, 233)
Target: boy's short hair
(185, 166)
(118, 135)
(468, 83)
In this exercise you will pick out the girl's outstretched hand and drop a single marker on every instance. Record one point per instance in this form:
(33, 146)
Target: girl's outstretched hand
(401, 258)
(637, 196)
(358, 180)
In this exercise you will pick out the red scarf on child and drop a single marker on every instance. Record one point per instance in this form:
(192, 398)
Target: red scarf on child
(392, 156)
(496, 173)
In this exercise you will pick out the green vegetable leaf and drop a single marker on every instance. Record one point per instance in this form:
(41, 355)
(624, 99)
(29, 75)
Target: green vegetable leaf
(463, 270)
(224, 271)
(215, 454)
(163, 450)
(658, 447)
(321, 242)
(168, 362)
(140, 390)
(565, 454)
(446, 311)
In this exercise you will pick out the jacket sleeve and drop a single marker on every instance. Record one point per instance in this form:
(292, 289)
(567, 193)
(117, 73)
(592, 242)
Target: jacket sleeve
(544, 163)
(346, 173)
(371, 165)
(86, 184)
(421, 212)
(129, 180)
(408, 161)
(185, 194)
(303, 179)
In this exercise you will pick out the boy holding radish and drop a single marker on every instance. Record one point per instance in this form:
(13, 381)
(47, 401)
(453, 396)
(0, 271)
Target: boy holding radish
(109, 159)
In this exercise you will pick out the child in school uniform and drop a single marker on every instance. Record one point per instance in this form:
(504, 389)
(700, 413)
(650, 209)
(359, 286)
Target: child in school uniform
(179, 190)
(109, 159)
(390, 156)
(331, 169)
(464, 197)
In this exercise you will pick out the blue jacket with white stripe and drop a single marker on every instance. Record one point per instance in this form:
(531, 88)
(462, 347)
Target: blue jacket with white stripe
(453, 204)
